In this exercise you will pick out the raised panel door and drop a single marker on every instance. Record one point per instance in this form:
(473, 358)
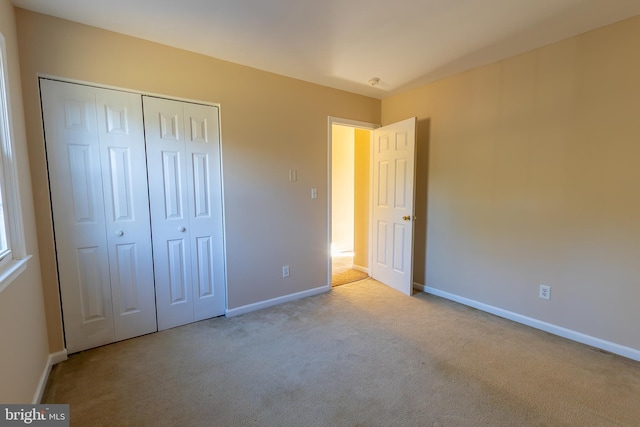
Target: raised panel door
(96, 163)
(393, 182)
(167, 170)
(127, 223)
(183, 156)
(75, 180)
(204, 191)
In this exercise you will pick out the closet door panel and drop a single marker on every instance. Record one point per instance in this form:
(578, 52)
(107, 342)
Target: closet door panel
(204, 188)
(128, 230)
(93, 304)
(176, 261)
(205, 269)
(73, 154)
(171, 185)
(166, 162)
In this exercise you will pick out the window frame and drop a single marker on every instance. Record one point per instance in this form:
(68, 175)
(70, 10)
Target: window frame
(14, 260)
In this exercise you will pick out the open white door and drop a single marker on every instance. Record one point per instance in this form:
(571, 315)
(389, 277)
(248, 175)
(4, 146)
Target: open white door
(393, 214)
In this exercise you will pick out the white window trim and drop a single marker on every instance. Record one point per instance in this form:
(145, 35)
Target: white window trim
(15, 229)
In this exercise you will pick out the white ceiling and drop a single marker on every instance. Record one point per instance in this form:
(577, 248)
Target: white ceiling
(344, 43)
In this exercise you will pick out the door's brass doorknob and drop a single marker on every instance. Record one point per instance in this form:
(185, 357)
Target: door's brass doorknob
(407, 217)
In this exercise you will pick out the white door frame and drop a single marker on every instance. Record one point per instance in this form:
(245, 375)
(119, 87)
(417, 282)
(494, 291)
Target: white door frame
(354, 124)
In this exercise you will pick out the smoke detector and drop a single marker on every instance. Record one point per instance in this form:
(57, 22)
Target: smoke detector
(374, 81)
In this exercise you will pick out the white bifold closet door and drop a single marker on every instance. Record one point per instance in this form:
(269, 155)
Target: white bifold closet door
(97, 173)
(185, 193)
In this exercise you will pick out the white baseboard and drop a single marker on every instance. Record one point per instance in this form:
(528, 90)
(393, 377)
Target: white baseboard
(58, 357)
(275, 301)
(611, 347)
(53, 359)
(360, 268)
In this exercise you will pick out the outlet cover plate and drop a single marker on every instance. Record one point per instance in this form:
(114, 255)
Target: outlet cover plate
(545, 292)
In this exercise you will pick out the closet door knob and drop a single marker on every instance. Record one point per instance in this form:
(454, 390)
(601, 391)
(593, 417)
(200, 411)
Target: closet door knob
(119, 233)
(182, 229)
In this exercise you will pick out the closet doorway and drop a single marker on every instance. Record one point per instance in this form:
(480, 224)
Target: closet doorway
(136, 193)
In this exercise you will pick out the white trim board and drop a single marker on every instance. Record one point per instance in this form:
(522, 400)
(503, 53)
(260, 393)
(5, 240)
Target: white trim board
(360, 268)
(351, 123)
(275, 301)
(609, 346)
(124, 89)
(53, 359)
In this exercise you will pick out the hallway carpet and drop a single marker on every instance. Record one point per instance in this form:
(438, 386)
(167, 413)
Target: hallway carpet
(360, 355)
(343, 272)
(349, 276)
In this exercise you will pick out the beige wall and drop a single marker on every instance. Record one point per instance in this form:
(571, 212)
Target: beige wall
(270, 124)
(534, 178)
(342, 187)
(361, 197)
(23, 335)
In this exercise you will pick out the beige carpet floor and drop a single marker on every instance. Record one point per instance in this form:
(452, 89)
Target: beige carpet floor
(342, 271)
(360, 355)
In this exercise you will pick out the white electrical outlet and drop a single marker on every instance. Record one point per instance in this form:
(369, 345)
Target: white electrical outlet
(545, 292)
(285, 271)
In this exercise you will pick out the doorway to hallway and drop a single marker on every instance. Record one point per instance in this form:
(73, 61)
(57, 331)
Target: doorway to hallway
(386, 176)
(350, 151)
